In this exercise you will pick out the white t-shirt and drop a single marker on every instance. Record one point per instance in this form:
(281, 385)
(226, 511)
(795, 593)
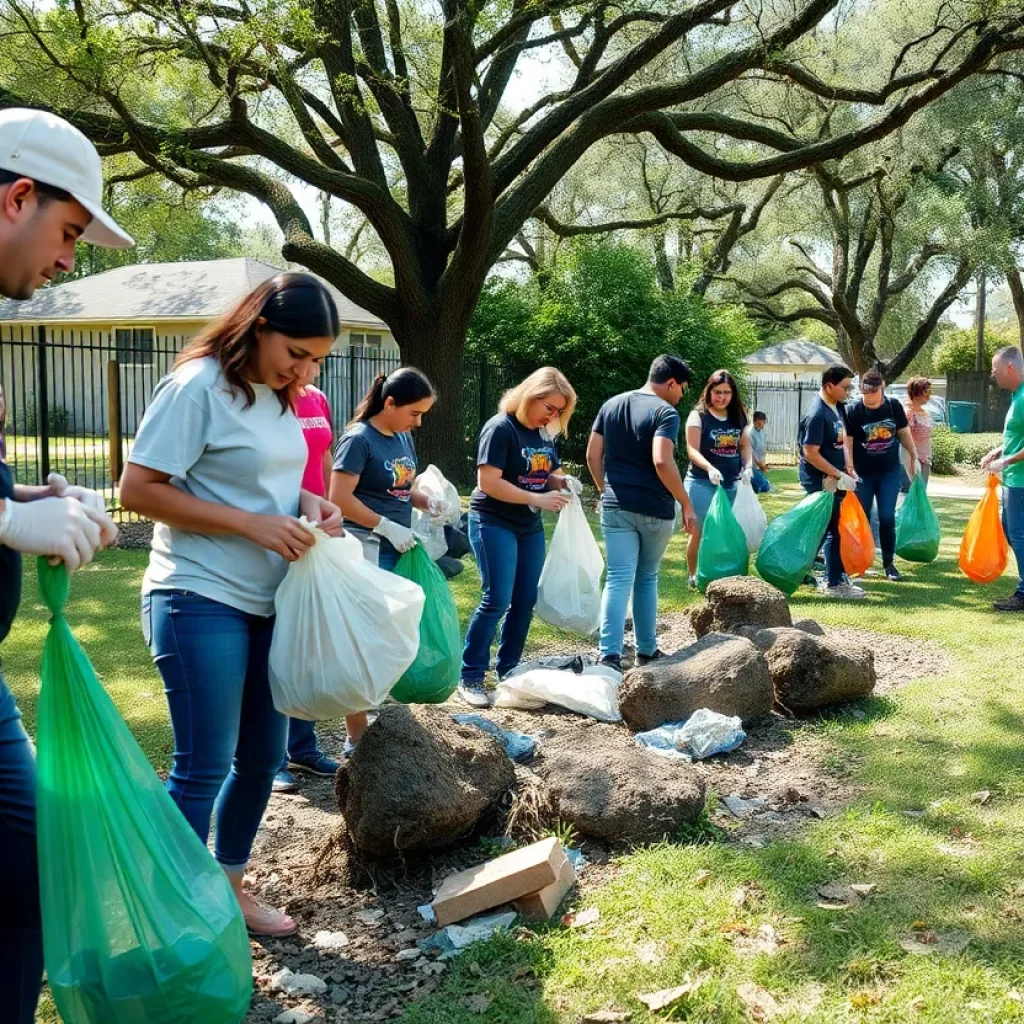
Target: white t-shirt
(217, 450)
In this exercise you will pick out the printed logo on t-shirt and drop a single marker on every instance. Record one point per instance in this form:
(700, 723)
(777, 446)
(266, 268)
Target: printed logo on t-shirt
(314, 423)
(539, 464)
(840, 434)
(403, 472)
(879, 437)
(725, 442)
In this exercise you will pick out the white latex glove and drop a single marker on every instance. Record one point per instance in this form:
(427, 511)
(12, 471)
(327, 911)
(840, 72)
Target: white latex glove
(715, 476)
(847, 482)
(401, 537)
(439, 508)
(65, 530)
(91, 499)
(574, 484)
(747, 475)
(996, 466)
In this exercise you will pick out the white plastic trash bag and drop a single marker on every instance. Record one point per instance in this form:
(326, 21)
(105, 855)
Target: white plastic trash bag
(430, 532)
(704, 733)
(569, 592)
(749, 514)
(345, 631)
(593, 692)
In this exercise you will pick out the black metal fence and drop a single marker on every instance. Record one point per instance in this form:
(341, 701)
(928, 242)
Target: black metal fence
(978, 387)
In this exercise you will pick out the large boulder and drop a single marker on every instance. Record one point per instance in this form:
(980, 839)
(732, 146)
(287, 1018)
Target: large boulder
(608, 788)
(810, 672)
(726, 674)
(740, 601)
(418, 780)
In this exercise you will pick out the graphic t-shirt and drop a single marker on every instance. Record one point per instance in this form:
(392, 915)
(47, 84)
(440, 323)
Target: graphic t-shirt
(1013, 439)
(825, 427)
(876, 447)
(526, 459)
(629, 423)
(386, 467)
(10, 565)
(314, 416)
(720, 445)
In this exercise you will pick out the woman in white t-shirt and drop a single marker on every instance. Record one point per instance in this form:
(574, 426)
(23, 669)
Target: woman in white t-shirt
(217, 464)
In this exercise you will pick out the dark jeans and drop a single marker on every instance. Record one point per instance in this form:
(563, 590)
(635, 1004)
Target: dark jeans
(510, 566)
(21, 933)
(833, 558)
(1013, 524)
(228, 737)
(760, 482)
(302, 744)
(883, 489)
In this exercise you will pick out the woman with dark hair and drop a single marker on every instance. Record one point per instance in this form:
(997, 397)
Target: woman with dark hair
(374, 470)
(718, 446)
(218, 463)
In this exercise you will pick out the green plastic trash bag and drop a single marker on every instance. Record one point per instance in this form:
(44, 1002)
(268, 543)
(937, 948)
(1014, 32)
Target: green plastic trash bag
(723, 544)
(140, 925)
(917, 526)
(792, 540)
(433, 676)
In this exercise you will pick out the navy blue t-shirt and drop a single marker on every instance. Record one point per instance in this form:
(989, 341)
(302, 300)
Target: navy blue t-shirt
(525, 458)
(825, 427)
(386, 467)
(10, 565)
(720, 445)
(629, 423)
(876, 447)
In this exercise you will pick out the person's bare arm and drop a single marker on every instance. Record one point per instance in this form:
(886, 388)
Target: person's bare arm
(150, 493)
(327, 469)
(341, 492)
(595, 460)
(812, 453)
(490, 481)
(746, 449)
(664, 453)
(693, 448)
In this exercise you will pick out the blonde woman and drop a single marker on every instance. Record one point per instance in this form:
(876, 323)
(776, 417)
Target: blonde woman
(517, 476)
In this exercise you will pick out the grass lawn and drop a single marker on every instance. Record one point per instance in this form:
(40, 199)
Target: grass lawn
(954, 865)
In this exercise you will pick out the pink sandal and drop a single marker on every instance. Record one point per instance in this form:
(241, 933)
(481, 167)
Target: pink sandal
(268, 923)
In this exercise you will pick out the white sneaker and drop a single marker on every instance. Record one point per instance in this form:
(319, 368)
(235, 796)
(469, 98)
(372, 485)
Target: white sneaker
(845, 592)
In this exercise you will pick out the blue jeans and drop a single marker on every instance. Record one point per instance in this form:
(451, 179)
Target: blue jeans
(883, 488)
(302, 744)
(760, 482)
(702, 492)
(1013, 524)
(228, 737)
(635, 545)
(833, 557)
(510, 565)
(21, 932)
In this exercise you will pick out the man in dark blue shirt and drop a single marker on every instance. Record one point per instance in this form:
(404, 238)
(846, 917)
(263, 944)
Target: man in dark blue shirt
(51, 188)
(823, 466)
(631, 456)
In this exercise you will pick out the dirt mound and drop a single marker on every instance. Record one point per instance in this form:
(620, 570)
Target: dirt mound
(810, 672)
(724, 673)
(418, 781)
(740, 601)
(608, 788)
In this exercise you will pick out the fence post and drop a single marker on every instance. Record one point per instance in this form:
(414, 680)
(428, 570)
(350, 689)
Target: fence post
(114, 452)
(43, 405)
(482, 405)
(353, 384)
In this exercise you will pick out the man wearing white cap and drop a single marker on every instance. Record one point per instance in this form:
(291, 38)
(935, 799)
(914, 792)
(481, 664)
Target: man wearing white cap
(51, 190)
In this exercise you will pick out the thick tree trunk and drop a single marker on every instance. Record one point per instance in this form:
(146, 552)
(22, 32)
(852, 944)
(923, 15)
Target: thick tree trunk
(1016, 284)
(437, 349)
(979, 323)
(666, 281)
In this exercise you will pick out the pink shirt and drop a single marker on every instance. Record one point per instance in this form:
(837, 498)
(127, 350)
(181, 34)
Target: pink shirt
(314, 415)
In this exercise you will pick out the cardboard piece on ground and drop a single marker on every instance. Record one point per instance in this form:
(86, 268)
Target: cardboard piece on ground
(541, 905)
(498, 881)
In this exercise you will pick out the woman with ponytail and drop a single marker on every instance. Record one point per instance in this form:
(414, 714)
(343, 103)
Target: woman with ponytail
(218, 463)
(374, 470)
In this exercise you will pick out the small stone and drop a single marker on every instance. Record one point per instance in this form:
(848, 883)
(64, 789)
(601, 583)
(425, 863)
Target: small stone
(741, 808)
(863, 888)
(412, 953)
(981, 797)
(330, 940)
(582, 918)
(297, 984)
(370, 917)
(293, 1017)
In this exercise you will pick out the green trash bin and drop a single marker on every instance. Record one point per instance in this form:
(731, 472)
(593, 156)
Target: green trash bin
(961, 416)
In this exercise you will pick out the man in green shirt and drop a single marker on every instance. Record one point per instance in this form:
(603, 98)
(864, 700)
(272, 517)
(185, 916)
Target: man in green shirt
(1008, 459)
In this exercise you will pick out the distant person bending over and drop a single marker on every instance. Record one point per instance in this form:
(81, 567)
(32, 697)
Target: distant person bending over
(759, 453)
(375, 467)
(825, 465)
(1008, 460)
(718, 445)
(631, 455)
(876, 428)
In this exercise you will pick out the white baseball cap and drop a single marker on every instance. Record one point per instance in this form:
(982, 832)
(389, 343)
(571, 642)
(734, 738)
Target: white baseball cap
(46, 148)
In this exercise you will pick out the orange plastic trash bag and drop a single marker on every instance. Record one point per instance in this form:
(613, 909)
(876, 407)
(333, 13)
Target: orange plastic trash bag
(856, 542)
(984, 551)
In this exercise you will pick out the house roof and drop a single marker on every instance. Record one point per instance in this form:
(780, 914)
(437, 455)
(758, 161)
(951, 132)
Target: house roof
(796, 352)
(150, 292)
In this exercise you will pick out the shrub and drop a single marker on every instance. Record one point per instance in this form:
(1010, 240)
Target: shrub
(973, 447)
(944, 450)
(957, 349)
